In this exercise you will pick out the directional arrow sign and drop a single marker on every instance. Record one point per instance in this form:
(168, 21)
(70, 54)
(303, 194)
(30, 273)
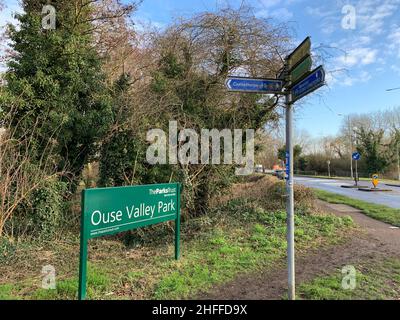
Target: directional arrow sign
(299, 53)
(356, 156)
(266, 86)
(311, 82)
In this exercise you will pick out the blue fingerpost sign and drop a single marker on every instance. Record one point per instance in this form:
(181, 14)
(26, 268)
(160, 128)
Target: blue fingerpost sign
(310, 83)
(287, 165)
(254, 85)
(356, 156)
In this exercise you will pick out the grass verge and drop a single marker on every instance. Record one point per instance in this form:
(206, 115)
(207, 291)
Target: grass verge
(347, 178)
(376, 211)
(246, 239)
(240, 235)
(374, 282)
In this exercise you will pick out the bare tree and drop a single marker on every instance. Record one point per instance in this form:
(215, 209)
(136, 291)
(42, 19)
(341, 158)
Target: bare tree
(192, 58)
(19, 177)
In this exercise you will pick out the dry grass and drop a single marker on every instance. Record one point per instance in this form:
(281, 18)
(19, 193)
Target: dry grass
(269, 190)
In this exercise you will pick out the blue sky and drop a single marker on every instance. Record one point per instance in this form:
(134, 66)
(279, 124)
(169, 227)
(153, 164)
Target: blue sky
(363, 61)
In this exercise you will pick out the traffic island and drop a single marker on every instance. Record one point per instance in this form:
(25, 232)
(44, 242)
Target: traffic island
(374, 190)
(353, 187)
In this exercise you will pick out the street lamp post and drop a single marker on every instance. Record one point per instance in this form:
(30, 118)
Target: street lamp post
(398, 154)
(356, 143)
(393, 89)
(398, 160)
(351, 148)
(351, 144)
(329, 168)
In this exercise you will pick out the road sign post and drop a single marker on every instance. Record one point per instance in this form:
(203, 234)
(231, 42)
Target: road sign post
(107, 211)
(398, 160)
(356, 156)
(294, 82)
(290, 199)
(329, 168)
(356, 175)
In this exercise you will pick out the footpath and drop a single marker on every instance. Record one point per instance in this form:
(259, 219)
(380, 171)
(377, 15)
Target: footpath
(372, 243)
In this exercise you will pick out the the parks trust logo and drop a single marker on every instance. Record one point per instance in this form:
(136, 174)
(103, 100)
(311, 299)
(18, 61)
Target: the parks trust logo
(159, 191)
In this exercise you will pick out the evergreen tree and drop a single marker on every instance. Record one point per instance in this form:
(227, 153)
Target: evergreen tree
(55, 85)
(374, 151)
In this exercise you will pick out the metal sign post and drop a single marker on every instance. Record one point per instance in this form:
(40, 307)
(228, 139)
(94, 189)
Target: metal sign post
(356, 156)
(294, 82)
(299, 83)
(290, 198)
(398, 160)
(329, 168)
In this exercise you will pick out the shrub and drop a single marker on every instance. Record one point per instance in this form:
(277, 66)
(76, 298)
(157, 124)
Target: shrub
(42, 212)
(270, 194)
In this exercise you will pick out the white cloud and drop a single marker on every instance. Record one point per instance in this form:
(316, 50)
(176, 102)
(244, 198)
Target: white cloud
(318, 12)
(143, 24)
(282, 14)
(364, 40)
(372, 14)
(360, 56)
(364, 76)
(395, 69)
(329, 26)
(394, 40)
(6, 15)
(348, 80)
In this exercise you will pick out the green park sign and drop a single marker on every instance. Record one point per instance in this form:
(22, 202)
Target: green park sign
(108, 211)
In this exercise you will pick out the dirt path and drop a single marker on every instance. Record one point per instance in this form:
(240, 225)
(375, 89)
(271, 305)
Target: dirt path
(376, 241)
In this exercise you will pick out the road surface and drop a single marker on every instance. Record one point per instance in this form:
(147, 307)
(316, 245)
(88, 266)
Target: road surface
(390, 199)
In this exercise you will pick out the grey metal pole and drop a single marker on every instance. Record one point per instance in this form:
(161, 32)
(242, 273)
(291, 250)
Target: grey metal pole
(290, 199)
(398, 160)
(329, 169)
(356, 176)
(351, 148)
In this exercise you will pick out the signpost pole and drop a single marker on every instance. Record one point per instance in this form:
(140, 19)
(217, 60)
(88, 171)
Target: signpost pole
(398, 160)
(178, 224)
(351, 148)
(356, 177)
(329, 168)
(290, 199)
(83, 253)
(299, 82)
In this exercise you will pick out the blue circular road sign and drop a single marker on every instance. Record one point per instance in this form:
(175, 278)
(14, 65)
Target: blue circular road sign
(356, 156)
